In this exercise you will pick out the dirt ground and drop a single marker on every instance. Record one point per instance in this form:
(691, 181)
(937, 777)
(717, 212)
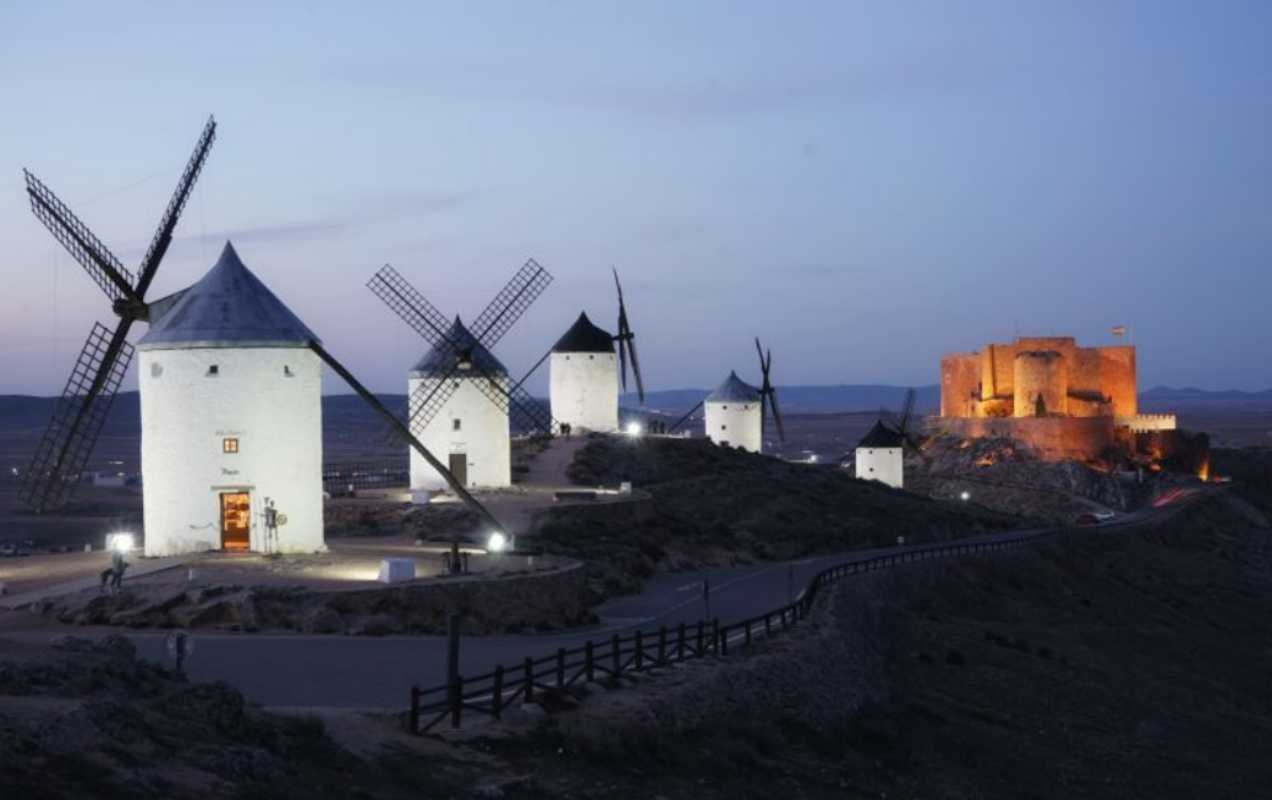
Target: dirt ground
(1128, 664)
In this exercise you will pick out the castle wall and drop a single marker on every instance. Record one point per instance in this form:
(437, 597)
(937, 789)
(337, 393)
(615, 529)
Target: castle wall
(1052, 438)
(1117, 379)
(1084, 373)
(960, 381)
(1040, 374)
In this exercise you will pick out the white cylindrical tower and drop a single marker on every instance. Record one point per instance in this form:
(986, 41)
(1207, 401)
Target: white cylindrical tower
(231, 420)
(583, 378)
(468, 432)
(880, 456)
(733, 415)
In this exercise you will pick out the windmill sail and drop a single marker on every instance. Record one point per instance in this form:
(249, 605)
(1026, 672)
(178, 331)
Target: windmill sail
(80, 413)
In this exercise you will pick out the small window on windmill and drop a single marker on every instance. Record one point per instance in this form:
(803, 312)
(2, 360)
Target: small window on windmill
(724, 408)
(724, 427)
(456, 425)
(229, 445)
(213, 370)
(155, 370)
(456, 384)
(287, 373)
(590, 357)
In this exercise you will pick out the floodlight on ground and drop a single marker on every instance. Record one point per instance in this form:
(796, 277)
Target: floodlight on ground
(120, 542)
(634, 429)
(497, 542)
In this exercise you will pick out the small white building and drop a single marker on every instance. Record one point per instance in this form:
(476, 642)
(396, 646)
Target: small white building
(733, 415)
(231, 420)
(881, 456)
(469, 433)
(583, 379)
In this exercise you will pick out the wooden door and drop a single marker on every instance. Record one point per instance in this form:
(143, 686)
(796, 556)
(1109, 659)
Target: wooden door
(236, 521)
(459, 467)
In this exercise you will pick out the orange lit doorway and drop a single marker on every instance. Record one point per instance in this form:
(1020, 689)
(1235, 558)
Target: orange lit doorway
(236, 521)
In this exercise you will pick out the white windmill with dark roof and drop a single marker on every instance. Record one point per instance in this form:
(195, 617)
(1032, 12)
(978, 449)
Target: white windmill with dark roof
(462, 402)
(735, 413)
(231, 410)
(880, 455)
(586, 369)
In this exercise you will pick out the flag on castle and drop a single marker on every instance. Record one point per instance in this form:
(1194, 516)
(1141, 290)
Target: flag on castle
(1119, 330)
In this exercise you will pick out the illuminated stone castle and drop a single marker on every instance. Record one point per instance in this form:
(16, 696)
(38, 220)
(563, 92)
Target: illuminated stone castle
(1065, 401)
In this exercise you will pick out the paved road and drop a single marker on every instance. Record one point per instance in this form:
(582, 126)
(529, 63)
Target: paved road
(298, 670)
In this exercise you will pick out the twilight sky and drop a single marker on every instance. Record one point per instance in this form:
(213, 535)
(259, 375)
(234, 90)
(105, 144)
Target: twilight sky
(862, 185)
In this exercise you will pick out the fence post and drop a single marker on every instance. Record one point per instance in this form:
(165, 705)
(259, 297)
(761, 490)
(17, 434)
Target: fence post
(529, 679)
(496, 701)
(700, 651)
(616, 656)
(680, 642)
(560, 667)
(414, 724)
(588, 661)
(640, 650)
(662, 645)
(715, 635)
(457, 700)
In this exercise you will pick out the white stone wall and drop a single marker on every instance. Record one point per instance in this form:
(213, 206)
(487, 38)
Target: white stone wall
(883, 464)
(270, 400)
(1147, 423)
(482, 435)
(583, 390)
(735, 423)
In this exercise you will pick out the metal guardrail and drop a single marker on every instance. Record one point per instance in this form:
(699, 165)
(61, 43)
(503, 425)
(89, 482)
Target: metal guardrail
(493, 692)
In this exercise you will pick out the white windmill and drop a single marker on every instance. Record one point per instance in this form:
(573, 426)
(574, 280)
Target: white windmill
(880, 455)
(461, 397)
(735, 413)
(231, 409)
(585, 371)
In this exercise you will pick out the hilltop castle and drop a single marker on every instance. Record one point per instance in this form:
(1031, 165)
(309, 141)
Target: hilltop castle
(1063, 400)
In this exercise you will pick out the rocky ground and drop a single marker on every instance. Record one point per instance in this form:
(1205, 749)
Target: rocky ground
(1101, 664)
(717, 505)
(1007, 476)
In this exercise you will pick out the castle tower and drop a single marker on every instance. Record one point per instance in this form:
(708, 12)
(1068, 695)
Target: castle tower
(732, 414)
(583, 378)
(1041, 382)
(231, 419)
(469, 433)
(880, 456)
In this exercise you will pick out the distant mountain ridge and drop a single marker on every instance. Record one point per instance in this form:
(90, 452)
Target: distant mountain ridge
(806, 399)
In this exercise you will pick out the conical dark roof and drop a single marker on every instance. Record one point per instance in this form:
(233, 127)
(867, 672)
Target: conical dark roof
(228, 307)
(881, 436)
(734, 390)
(442, 357)
(584, 337)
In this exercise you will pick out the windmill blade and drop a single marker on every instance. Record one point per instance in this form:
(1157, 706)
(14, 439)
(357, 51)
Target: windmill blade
(405, 433)
(777, 415)
(622, 360)
(907, 411)
(682, 420)
(511, 302)
(640, 384)
(429, 398)
(521, 407)
(96, 259)
(405, 301)
(168, 222)
(78, 417)
(532, 370)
